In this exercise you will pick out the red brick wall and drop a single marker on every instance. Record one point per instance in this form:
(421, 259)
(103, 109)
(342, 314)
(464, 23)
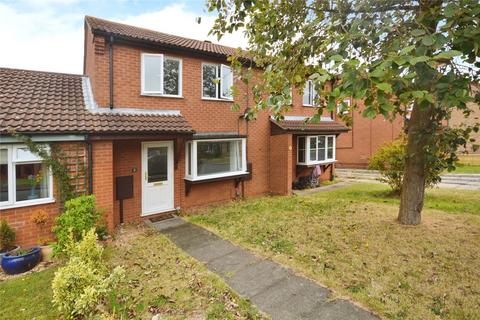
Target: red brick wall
(281, 158)
(102, 176)
(355, 147)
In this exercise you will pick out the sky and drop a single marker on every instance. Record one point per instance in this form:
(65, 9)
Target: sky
(48, 35)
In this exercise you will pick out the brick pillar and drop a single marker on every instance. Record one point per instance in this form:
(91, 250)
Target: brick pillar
(281, 157)
(102, 160)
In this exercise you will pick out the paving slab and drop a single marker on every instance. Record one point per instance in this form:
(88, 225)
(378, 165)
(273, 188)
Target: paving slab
(273, 288)
(337, 309)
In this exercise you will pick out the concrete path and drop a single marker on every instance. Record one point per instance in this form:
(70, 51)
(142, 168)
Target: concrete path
(449, 180)
(274, 289)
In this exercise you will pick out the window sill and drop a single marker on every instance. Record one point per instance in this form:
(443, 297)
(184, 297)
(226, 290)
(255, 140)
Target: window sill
(312, 164)
(216, 99)
(27, 203)
(160, 95)
(217, 177)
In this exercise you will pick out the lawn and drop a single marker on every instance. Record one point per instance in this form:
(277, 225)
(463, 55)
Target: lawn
(28, 297)
(160, 278)
(349, 240)
(468, 164)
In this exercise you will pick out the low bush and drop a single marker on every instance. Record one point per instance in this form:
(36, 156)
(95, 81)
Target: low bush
(7, 236)
(390, 160)
(80, 215)
(81, 287)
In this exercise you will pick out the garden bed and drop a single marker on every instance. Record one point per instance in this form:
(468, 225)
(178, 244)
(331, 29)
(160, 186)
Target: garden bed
(160, 279)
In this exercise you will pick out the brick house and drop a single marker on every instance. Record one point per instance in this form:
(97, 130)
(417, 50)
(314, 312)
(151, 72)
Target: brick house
(150, 122)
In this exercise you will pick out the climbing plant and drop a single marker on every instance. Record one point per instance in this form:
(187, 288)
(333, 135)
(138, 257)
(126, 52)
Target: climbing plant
(53, 157)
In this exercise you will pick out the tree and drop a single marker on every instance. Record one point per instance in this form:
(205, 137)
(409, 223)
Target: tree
(390, 54)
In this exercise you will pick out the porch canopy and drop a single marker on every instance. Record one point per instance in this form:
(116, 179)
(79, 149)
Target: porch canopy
(299, 126)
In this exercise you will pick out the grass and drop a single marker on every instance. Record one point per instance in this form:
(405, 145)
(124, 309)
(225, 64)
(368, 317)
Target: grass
(28, 297)
(159, 279)
(468, 164)
(349, 240)
(162, 279)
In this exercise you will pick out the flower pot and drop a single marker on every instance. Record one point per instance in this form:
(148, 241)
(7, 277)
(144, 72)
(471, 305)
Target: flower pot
(14, 249)
(15, 264)
(47, 253)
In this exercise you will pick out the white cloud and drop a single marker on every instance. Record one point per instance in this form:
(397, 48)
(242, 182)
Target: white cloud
(45, 39)
(177, 20)
(41, 40)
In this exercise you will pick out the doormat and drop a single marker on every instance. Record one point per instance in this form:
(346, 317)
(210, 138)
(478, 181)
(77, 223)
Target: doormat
(162, 217)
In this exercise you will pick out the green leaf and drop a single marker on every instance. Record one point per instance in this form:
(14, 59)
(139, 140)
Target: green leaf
(377, 73)
(428, 40)
(386, 87)
(450, 10)
(448, 54)
(369, 112)
(418, 32)
(336, 58)
(407, 49)
(387, 107)
(416, 60)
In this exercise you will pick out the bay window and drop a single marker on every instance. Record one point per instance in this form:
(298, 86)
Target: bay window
(24, 178)
(217, 81)
(315, 149)
(309, 94)
(161, 75)
(207, 159)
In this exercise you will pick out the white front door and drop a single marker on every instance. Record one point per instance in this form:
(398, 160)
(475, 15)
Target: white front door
(157, 173)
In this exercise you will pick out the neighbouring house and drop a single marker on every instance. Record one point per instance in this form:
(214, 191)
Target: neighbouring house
(148, 129)
(458, 120)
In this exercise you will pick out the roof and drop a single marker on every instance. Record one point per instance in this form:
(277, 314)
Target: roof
(140, 34)
(302, 127)
(47, 102)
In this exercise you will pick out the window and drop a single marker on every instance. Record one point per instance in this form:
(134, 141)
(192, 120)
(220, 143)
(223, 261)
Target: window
(217, 81)
(342, 109)
(309, 94)
(161, 75)
(206, 159)
(315, 149)
(24, 178)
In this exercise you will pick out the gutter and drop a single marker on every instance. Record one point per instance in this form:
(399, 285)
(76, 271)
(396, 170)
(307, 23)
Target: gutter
(90, 165)
(110, 69)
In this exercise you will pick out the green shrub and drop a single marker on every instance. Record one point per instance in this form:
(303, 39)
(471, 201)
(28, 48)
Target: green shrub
(390, 160)
(80, 215)
(7, 236)
(81, 287)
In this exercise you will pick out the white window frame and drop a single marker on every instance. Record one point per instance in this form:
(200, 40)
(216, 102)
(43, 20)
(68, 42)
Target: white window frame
(160, 93)
(312, 94)
(12, 161)
(348, 102)
(193, 160)
(308, 161)
(218, 86)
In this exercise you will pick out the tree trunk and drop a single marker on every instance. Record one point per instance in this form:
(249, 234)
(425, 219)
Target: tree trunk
(413, 189)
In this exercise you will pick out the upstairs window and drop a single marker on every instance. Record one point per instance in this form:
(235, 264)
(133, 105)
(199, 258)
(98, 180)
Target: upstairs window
(341, 109)
(217, 81)
(208, 159)
(315, 149)
(309, 94)
(24, 178)
(161, 75)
